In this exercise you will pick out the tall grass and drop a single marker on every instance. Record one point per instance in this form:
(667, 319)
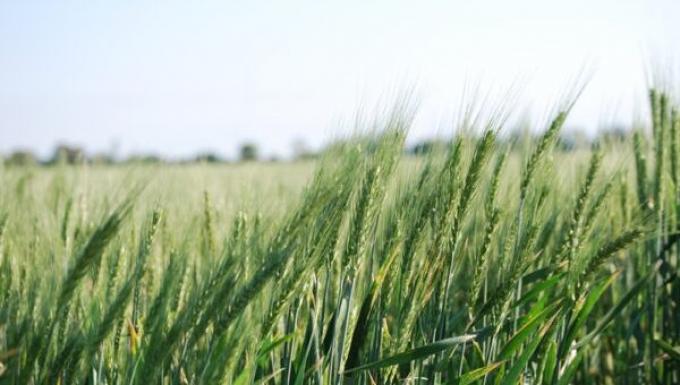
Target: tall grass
(483, 262)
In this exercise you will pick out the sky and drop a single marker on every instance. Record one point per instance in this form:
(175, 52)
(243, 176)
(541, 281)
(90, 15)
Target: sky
(180, 77)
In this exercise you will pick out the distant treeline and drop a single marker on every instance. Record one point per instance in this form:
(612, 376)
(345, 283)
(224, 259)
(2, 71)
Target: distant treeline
(74, 155)
(249, 152)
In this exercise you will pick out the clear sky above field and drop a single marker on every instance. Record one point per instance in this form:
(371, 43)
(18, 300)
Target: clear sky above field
(177, 77)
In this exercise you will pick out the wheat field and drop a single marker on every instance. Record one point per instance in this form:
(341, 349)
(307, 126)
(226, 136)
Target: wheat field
(480, 262)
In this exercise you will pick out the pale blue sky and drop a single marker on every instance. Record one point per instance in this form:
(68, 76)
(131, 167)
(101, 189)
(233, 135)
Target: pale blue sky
(177, 77)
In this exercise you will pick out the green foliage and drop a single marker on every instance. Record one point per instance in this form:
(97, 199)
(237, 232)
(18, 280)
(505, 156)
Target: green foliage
(472, 263)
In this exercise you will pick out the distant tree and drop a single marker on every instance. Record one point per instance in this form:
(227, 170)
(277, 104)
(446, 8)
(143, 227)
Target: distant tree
(248, 152)
(421, 148)
(208, 157)
(65, 154)
(573, 139)
(425, 147)
(21, 158)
